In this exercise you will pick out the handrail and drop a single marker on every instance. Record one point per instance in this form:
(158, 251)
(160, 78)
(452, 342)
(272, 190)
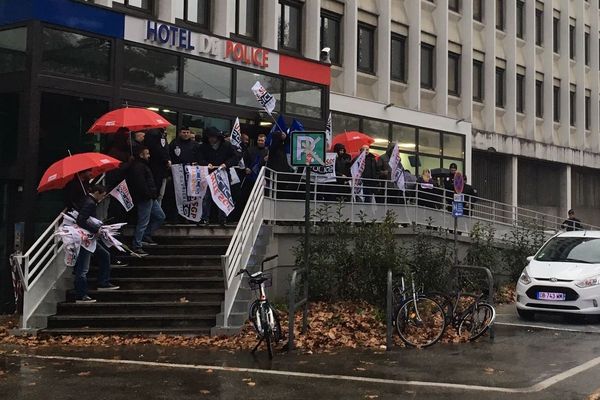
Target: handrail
(239, 249)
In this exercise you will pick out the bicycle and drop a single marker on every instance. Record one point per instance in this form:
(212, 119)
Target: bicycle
(419, 319)
(261, 313)
(470, 323)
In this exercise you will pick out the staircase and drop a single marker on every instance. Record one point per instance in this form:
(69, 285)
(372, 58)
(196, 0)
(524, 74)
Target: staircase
(177, 289)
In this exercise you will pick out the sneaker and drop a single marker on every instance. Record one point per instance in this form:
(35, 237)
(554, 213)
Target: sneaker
(118, 263)
(139, 251)
(108, 287)
(85, 300)
(148, 241)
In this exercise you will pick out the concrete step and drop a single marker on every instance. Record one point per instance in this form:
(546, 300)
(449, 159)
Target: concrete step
(146, 308)
(128, 320)
(170, 295)
(178, 260)
(183, 230)
(130, 330)
(208, 282)
(150, 271)
(187, 249)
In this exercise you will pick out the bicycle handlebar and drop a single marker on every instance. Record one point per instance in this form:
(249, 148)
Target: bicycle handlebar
(266, 260)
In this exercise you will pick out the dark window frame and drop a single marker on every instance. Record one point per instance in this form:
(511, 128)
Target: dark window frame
(572, 105)
(520, 22)
(403, 60)
(586, 48)
(454, 5)
(280, 38)
(135, 10)
(371, 68)
(539, 27)
(254, 39)
(480, 15)
(207, 10)
(479, 97)
(539, 98)
(500, 77)
(430, 83)
(556, 34)
(457, 58)
(556, 103)
(520, 93)
(572, 42)
(500, 15)
(338, 40)
(588, 112)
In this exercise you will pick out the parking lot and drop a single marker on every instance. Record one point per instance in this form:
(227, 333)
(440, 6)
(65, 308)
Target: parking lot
(554, 360)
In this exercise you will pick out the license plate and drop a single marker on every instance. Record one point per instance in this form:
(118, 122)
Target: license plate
(553, 296)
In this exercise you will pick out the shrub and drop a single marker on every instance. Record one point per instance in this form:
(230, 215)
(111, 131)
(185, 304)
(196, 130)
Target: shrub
(522, 241)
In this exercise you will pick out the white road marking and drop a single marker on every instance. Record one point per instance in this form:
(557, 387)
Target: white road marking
(538, 387)
(551, 328)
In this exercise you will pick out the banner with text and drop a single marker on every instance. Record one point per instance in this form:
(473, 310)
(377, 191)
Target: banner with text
(188, 207)
(196, 180)
(121, 193)
(218, 182)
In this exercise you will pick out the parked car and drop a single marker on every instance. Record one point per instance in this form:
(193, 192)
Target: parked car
(563, 276)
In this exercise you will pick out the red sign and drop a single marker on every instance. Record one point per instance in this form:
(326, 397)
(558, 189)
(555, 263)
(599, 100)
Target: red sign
(459, 182)
(245, 54)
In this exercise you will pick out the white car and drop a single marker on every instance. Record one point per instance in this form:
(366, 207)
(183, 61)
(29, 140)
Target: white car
(563, 276)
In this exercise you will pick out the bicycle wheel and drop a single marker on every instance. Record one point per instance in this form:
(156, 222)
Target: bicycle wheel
(477, 321)
(254, 316)
(420, 323)
(268, 334)
(276, 330)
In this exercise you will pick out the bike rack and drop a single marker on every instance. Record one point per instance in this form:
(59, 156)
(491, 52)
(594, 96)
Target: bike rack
(293, 305)
(389, 341)
(490, 279)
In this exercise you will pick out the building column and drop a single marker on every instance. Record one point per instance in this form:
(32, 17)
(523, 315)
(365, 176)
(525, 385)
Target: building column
(489, 80)
(594, 139)
(510, 74)
(312, 37)
(269, 24)
(350, 53)
(566, 198)
(548, 131)
(440, 15)
(466, 67)
(413, 9)
(514, 185)
(384, 42)
(530, 76)
(564, 73)
(580, 76)
(224, 17)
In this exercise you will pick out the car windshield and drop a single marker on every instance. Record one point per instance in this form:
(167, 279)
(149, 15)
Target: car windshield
(571, 249)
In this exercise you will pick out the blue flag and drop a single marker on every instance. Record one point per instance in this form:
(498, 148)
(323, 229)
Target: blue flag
(280, 126)
(295, 127)
(255, 168)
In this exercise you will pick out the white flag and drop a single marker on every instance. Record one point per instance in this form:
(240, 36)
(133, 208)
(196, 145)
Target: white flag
(397, 170)
(357, 170)
(196, 180)
(329, 132)
(236, 135)
(188, 207)
(265, 98)
(220, 190)
(121, 193)
(235, 179)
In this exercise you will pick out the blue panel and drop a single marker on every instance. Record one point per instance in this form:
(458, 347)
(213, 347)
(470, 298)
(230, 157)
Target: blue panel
(68, 13)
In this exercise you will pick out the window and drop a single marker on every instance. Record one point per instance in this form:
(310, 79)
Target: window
(290, 23)
(572, 43)
(245, 80)
(206, 81)
(539, 98)
(520, 19)
(366, 48)
(427, 66)
(478, 10)
(145, 5)
(378, 130)
(454, 5)
(588, 111)
(197, 12)
(303, 99)
(573, 118)
(556, 34)
(454, 74)
(556, 103)
(477, 80)
(247, 18)
(586, 48)
(74, 54)
(9, 134)
(151, 68)
(398, 58)
(429, 142)
(539, 27)
(344, 123)
(454, 145)
(331, 35)
(500, 15)
(520, 93)
(13, 45)
(500, 87)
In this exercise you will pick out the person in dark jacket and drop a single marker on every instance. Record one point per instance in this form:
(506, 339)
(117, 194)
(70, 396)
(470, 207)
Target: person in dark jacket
(160, 159)
(342, 172)
(216, 153)
(88, 209)
(370, 175)
(184, 148)
(150, 215)
(77, 189)
(572, 223)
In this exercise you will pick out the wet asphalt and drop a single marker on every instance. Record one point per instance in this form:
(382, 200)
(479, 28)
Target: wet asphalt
(509, 367)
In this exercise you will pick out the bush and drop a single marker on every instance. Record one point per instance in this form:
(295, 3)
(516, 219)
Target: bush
(483, 250)
(521, 242)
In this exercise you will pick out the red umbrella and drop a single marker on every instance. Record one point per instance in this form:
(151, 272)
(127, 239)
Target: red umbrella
(131, 118)
(61, 172)
(353, 141)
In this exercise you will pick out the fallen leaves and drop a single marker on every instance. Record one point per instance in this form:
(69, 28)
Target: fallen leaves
(205, 392)
(506, 294)
(85, 373)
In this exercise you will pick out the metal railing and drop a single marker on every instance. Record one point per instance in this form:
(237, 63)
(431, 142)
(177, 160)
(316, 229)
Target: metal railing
(33, 265)
(240, 248)
(293, 305)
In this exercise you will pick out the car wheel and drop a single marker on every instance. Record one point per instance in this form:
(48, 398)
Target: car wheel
(526, 314)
